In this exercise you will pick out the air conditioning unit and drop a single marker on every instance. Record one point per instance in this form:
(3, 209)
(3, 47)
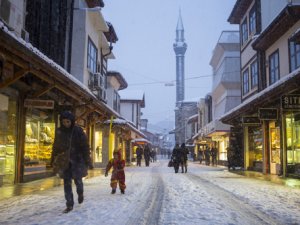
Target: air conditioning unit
(96, 81)
(102, 95)
(25, 35)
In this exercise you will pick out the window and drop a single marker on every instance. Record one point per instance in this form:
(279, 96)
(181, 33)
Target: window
(294, 56)
(244, 30)
(274, 67)
(252, 20)
(116, 102)
(92, 53)
(246, 81)
(254, 74)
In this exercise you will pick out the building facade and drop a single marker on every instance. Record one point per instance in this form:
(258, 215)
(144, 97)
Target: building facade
(269, 75)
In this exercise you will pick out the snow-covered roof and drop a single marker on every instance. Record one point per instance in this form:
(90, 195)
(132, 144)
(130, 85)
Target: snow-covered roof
(51, 63)
(137, 95)
(121, 121)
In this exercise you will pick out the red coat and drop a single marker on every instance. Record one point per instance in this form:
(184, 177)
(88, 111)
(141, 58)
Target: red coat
(117, 166)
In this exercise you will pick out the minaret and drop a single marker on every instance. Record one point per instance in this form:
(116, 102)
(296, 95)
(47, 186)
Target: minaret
(179, 47)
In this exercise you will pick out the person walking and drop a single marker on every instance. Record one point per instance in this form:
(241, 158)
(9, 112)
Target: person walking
(176, 157)
(147, 155)
(207, 156)
(70, 157)
(200, 155)
(214, 154)
(139, 154)
(118, 174)
(183, 158)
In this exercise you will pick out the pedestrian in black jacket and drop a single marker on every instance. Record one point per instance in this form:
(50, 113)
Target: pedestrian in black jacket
(71, 140)
(184, 157)
(176, 157)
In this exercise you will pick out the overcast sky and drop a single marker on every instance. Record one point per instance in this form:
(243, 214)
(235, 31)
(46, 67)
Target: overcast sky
(144, 53)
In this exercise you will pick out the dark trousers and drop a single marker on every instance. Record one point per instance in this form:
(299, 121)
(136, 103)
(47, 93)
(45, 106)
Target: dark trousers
(68, 187)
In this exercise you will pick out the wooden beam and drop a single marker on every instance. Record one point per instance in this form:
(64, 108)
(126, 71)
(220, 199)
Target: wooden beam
(16, 77)
(84, 114)
(43, 91)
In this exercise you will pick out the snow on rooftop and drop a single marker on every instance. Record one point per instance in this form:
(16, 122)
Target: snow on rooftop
(131, 95)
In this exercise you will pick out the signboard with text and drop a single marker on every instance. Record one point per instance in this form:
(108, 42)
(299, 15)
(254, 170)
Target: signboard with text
(268, 113)
(290, 102)
(38, 103)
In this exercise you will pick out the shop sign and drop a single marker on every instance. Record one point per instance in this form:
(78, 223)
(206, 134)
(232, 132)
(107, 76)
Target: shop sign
(253, 120)
(217, 138)
(290, 102)
(38, 103)
(268, 113)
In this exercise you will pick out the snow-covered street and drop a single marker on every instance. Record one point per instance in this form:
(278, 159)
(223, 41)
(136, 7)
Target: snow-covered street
(156, 195)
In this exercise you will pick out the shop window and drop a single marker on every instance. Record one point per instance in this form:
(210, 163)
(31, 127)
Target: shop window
(39, 137)
(8, 110)
(293, 142)
(255, 148)
(98, 147)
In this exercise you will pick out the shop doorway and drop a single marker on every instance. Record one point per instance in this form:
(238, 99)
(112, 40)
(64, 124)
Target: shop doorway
(274, 134)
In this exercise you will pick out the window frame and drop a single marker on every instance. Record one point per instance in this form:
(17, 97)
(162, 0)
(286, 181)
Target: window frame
(254, 76)
(244, 31)
(92, 56)
(252, 20)
(294, 55)
(274, 70)
(246, 85)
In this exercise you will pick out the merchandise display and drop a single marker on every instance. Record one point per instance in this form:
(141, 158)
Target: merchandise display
(38, 145)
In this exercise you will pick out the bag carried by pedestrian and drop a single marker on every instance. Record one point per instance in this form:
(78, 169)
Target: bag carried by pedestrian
(170, 164)
(61, 162)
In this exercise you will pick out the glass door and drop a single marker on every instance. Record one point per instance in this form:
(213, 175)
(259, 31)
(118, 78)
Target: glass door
(274, 149)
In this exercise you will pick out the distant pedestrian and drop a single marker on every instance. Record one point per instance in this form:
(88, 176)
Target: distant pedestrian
(147, 154)
(118, 174)
(214, 155)
(200, 155)
(70, 157)
(176, 157)
(139, 155)
(184, 157)
(207, 156)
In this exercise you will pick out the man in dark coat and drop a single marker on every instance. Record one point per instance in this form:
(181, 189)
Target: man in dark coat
(147, 155)
(139, 154)
(71, 140)
(176, 157)
(184, 157)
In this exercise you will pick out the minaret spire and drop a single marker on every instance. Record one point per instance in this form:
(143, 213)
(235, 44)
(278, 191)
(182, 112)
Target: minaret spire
(180, 48)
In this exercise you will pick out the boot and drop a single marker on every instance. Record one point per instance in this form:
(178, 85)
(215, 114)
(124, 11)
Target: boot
(80, 198)
(68, 209)
(122, 191)
(113, 191)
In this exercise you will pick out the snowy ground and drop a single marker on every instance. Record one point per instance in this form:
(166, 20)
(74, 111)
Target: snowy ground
(156, 195)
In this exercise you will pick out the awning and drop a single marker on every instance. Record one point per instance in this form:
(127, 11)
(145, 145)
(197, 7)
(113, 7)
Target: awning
(140, 141)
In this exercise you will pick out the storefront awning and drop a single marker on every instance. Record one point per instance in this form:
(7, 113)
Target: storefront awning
(141, 141)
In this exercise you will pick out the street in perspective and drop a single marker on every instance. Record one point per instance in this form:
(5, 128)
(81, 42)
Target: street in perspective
(158, 195)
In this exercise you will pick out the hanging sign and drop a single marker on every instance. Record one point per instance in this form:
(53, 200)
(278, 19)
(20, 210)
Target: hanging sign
(38, 103)
(268, 113)
(290, 102)
(250, 120)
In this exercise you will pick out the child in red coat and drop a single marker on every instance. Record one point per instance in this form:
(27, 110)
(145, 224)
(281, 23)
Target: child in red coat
(118, 175)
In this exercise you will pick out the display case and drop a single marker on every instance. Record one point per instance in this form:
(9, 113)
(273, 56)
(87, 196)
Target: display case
(275, 150)
(38, 145)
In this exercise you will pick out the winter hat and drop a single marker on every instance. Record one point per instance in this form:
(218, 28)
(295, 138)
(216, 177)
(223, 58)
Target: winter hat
(118, 152)
(67, 115)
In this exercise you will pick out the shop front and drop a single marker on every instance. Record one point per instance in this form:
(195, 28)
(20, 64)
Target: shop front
(39, 138)
(8, 135)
